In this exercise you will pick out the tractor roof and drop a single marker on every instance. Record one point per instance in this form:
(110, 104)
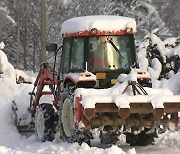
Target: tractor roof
(103, 23)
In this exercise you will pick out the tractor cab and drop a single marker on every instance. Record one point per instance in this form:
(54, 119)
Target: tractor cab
(104, 50)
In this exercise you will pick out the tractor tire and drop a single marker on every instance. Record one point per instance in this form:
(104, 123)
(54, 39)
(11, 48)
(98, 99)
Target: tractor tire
(68, 133)
(141, 139)
(44, 122)
(66, 117)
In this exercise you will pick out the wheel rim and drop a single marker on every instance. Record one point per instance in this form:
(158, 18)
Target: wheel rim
(67, 118)
(40, 125)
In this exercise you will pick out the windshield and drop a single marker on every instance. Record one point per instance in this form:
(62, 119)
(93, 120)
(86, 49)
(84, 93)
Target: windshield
(111, 52)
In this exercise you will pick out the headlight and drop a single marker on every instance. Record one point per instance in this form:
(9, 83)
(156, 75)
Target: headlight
(93, 31)
(129, 30)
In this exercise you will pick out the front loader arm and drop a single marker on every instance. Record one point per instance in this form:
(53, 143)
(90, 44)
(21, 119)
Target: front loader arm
(45, 77)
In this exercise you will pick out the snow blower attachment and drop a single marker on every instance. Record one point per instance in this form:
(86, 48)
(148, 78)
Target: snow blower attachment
(87, 92)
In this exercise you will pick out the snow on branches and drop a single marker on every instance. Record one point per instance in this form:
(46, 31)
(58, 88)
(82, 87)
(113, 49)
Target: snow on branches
(160, 58)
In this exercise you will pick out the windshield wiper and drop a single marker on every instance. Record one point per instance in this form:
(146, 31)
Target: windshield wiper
(115, 47)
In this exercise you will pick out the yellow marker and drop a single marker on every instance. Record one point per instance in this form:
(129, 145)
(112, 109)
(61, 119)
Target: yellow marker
(114, 81)
(83, 75)
(100, 76)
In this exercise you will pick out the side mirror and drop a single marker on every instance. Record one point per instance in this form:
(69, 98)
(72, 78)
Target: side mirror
(51, 47)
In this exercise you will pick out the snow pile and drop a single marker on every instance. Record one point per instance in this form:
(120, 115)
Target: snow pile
(8, 132)
(101, 22)
(10, 91)
(22, 77)
(7, 69)
(169, 139)
(173, 84)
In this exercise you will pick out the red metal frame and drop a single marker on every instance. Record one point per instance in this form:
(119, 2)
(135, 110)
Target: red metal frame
(99, 33)
(76, 82)
(78, 111)
(45, 78)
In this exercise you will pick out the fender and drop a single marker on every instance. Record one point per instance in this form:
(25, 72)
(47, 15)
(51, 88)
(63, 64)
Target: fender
(77, 78)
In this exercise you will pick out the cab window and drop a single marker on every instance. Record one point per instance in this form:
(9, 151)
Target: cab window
(66, 55)
(77, 56)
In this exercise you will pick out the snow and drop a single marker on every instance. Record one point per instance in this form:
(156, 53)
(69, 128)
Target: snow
(176, 51)
(101, 22)
(158, 102)
(160, 45)
(143, 63)
(170, 41)
(65, 2)
(6, 13)
(155, 69)
(2, 45)
(157, 98)
(23, 76)
(173, 84)
(167, 48)
(169, 139)
(97, 95)
(5, 67)
(86, 76)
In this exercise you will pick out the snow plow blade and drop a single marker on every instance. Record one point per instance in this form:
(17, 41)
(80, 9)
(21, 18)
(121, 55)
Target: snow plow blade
(115, 107)
(89, 113)
(141, 108)
(110, 114)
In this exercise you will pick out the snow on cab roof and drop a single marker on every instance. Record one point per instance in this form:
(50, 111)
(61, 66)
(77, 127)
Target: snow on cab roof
(108, 23)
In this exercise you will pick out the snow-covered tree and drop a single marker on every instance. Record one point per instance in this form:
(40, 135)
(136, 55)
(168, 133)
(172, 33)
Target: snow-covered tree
(7, 26)
(169, 11)
(163, 57)
(6, 23)
(145, 14)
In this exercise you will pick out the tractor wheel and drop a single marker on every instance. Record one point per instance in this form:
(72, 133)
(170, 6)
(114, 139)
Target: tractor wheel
(141, 139)
(66, 117)
(44, 122)
(68, 133)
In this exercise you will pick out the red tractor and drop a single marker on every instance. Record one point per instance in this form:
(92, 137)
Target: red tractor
(95, 51)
